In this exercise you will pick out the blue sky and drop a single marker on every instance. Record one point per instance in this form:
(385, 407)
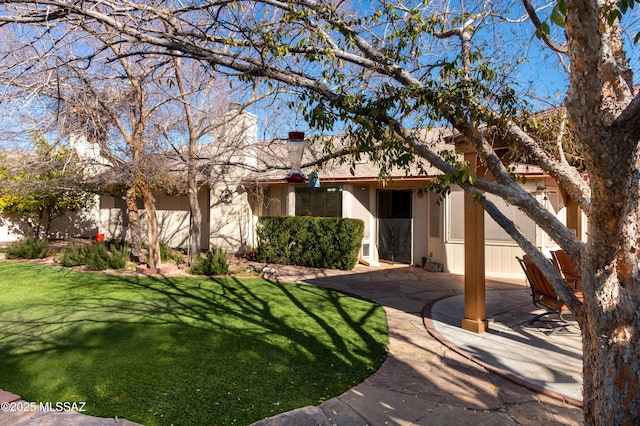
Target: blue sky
(515, 43)
(537, 71)
(538, 68)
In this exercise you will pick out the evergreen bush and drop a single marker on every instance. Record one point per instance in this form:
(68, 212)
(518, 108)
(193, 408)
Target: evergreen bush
(97, 257)
(117, 242)
(320, 242)
(214, 263)
(29, 248)
(119, 255)
(178, 258)
(165, 252)
(73, 255)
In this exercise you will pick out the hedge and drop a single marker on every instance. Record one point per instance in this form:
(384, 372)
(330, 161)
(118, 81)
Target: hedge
(319, 242)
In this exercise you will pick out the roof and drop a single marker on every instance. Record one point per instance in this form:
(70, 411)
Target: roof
(273, 158)
(267, 162)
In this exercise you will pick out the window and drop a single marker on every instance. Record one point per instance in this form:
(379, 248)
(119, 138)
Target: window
(325, 201)
(456, 216)
(435, 215)
(492, 231)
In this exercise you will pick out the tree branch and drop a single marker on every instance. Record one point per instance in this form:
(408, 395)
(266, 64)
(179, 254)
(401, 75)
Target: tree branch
(559, 48)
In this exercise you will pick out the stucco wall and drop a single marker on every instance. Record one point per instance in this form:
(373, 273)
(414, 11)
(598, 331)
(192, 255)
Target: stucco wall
(7, 234)
(225, 222)
(500, 256)
(230, 220)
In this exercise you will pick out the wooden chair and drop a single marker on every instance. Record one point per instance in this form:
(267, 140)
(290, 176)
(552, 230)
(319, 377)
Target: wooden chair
(568, 268)
(544, 296)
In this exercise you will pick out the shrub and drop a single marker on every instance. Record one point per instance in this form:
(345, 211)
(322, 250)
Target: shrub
(117, 242)
(214, 263)
(319, 242)
(73, 255)
(165, 251)
(178, 258)
(119, 255)
(97, 257)
(29, 248)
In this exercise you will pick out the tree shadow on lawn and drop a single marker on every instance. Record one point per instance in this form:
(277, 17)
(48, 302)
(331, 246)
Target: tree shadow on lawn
(185, 350)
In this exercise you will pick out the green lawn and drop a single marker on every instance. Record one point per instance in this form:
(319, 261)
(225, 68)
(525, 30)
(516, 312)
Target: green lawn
(183, 351)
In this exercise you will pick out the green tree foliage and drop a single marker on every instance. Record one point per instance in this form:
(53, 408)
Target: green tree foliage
(40, 185)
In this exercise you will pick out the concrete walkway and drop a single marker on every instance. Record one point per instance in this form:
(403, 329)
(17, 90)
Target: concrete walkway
(426, 381)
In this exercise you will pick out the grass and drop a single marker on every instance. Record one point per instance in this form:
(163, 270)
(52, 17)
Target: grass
(183, 351)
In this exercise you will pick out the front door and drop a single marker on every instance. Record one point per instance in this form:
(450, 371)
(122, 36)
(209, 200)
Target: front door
(394, 225)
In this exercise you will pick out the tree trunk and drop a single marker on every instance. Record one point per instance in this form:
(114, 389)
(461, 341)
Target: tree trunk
(196, 219)
(134, 224)
(611, 374)
(153, 257)
(607, 135)
(36, 232)
(610, 320)
(196, 214)
(47, 231)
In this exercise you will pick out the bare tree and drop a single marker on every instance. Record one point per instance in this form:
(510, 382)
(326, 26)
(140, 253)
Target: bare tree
(95, 92)
(128, 104)
(381, 71)
(212, 138)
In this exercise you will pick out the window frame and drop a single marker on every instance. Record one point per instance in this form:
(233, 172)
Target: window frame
(301, 191)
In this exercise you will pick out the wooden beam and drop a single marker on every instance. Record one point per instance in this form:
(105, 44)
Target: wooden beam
(574, 216)
(474, 268)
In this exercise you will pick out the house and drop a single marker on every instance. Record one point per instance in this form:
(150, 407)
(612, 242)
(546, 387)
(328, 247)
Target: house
(77, 224)
(242, 179)
(226, 209)
(405, 223)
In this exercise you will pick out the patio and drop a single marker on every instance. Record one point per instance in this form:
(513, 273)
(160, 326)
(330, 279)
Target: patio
(525, 353)
(438, 373)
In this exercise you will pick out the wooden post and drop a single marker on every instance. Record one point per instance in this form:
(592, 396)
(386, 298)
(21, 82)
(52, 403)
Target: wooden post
(574, 216)
(474, 268)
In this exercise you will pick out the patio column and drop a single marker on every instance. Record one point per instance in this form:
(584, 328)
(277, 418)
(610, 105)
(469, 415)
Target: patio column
(474, 278)
(574, 216)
